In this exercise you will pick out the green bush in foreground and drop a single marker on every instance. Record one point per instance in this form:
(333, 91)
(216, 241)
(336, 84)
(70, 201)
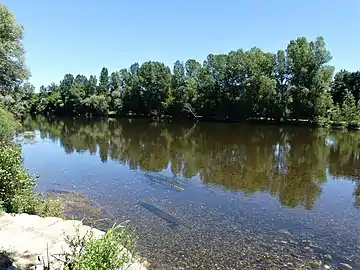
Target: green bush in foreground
(113, 251)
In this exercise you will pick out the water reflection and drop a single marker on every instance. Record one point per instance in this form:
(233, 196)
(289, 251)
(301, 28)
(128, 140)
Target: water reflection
(291, 163)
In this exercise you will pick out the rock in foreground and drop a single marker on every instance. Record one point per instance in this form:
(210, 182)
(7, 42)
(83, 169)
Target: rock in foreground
(25, 240)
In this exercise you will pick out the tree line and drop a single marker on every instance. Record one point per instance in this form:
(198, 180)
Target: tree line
(293, 84)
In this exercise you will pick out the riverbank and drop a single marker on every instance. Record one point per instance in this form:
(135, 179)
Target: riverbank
(343, 125)
(30, 241)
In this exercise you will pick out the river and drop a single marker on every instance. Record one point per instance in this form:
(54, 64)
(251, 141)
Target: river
(212, 195)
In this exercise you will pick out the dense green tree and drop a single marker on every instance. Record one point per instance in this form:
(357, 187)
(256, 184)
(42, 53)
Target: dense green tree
(155, 86)
(96, 105)
(103, 81)
(310, 75)
(91, 85)
(345, 81)
(15, 95)
(80, 79)
(12, 68)
(348, 108)
(114, 83)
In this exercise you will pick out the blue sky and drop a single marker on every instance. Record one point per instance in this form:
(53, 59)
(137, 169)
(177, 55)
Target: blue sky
(78, 36)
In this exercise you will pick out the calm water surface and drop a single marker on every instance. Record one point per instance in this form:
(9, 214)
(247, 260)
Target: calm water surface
(212, 196)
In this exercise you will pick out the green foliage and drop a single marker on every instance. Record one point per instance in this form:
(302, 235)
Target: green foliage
(16, 188)
(12, 68)
(292, 84)
(348, 108)
(8, 126)
(14, 96)
(112, 251)
(48, 207)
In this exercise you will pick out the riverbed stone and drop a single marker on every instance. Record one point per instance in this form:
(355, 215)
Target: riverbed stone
(328, 257)
(25, 240)
(345, 266)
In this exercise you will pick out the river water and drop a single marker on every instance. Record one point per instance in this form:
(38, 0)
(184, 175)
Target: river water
(212, 196)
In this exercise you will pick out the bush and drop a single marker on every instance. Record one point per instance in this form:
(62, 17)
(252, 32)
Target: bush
(113, 251)
(16, 186)
(8, 126)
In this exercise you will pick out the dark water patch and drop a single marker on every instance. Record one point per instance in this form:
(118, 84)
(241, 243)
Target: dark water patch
(171, 221)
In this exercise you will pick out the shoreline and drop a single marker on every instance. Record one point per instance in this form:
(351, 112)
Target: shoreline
(171, 119)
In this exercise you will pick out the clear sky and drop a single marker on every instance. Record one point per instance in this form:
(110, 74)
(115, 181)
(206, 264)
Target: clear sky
(78, 36)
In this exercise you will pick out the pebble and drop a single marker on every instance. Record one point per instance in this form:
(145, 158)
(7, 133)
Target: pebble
(284, 231)
(328, 257)
(345, 266)
(326, 266)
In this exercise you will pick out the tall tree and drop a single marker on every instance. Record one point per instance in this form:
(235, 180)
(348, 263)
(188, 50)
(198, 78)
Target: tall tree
(91, 85)
(104, 81)
(310, 75)
(155, 85)
(12, 67)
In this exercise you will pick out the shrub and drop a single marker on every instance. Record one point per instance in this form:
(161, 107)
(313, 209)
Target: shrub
(8, 126)
(16, 186)
(113, 251)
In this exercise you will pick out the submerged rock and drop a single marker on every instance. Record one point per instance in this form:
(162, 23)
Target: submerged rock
(328, 257)
(284, 231)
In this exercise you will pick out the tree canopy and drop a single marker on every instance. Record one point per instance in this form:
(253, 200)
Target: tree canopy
(296, 83)
(13, 72)
(289, 85)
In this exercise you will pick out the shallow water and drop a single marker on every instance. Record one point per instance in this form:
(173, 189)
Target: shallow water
(235, 196)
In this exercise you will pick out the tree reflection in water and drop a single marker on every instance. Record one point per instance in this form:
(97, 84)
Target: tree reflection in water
(288, 162)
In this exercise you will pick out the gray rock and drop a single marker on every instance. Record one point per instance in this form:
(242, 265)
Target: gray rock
(345, 266)
(37, 236)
